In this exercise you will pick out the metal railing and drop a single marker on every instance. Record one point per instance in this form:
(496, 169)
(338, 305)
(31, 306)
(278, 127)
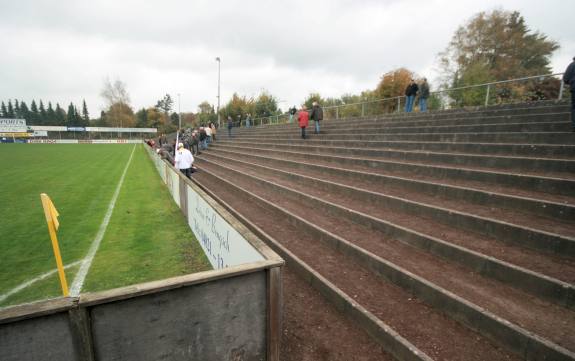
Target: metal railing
(530, 88)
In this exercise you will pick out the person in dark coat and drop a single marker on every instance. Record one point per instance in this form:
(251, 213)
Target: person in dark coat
(194, 143)
(569, 79)
(164, 153)
(316, 115)
(410, 93)
(303, 120)
(423, 95)
(203, 139)
(230, 126)
(292, 113)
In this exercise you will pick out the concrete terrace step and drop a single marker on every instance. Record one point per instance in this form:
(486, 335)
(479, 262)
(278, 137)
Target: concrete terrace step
(461, 114)
(466, 213)
(542, 286)
(346, 124)
(423, 289)
(533, 127)
(514, 162)
(318, 144)
(485, 137)
(561, 208)
(556, 183)
(458, 215)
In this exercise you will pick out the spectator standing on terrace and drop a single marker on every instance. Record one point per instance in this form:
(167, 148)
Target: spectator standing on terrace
(194, 143)
(569, 78)
(203, 138)
(239, 120)
(248, 120)
(423, 95)
(208, 134)
(230, 126)
(292, 112)
(173, 148)
(316, 115)
(162, 140)
(303, 120)
(165, 154)
(214, 131)
(410, 93)
(184, 160)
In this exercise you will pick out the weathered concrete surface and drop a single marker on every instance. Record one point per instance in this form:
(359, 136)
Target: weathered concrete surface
(223, 320)
(43, 338)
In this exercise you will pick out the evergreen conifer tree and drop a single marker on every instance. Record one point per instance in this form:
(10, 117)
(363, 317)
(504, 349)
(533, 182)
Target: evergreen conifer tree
(10, 109)
(85, 114)
(24, 111)
(34, 115)
(17, 109)
(3, 111)
(71, 116)
(60, 115)
(43, 116)
(77, 117)
(50, 114)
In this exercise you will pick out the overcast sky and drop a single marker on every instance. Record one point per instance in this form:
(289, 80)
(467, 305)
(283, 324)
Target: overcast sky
(62, 50)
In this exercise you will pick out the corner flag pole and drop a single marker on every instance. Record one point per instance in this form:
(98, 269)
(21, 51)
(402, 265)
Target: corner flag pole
(52, 220)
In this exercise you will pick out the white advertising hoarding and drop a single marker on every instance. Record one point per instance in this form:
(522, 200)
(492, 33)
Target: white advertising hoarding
(13, 126)
(121, 130)
(52, 128)
(40, 133)
(173, 182)
(222, 244)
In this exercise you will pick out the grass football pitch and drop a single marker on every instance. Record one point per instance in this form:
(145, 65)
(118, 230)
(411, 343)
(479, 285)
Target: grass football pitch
(146, 239)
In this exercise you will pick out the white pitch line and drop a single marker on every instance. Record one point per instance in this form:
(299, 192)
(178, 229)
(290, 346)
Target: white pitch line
(33, 280)
(87, 261)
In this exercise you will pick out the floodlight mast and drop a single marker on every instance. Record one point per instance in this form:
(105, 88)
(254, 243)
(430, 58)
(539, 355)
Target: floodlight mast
(219, 62)
(179, 113)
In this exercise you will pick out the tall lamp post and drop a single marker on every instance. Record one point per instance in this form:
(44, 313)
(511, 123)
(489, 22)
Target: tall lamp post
(179, 114)
(219, 61)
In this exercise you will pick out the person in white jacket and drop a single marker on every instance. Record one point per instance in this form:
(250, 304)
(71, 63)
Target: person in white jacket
(184, 160)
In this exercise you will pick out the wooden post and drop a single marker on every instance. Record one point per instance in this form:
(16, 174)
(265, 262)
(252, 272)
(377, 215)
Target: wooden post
(82, 333)
(274, 303)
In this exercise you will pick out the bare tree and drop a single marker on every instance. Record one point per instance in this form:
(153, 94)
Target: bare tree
(119, 112)
(115, 93)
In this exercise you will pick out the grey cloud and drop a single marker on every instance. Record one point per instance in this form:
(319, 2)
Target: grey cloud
(289, 47)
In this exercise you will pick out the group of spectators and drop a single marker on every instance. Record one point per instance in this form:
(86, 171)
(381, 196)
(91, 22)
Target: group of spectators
(231, 123)
(412, 90)
(316, 114)
(190, 142)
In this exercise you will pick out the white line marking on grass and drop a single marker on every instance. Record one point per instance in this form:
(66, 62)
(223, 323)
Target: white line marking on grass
(87, 261)
(34, 280)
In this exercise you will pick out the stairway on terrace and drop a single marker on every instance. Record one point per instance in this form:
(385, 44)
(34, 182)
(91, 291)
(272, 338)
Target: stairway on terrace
(444, 235)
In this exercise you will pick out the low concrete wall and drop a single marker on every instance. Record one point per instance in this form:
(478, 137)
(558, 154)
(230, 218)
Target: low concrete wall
(222, 243)
(230, 313)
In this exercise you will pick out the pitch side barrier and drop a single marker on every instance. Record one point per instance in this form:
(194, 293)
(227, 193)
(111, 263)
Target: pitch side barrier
(230, 313)
(84, 141)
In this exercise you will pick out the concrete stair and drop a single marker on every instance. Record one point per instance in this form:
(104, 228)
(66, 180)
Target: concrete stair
(446, 235)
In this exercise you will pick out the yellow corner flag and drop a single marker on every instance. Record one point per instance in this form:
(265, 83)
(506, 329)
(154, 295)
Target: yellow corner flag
(52, 215)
